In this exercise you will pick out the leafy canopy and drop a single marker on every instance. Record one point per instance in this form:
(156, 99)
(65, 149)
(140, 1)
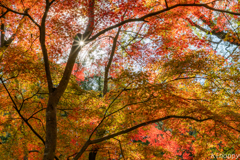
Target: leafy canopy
(108, 79)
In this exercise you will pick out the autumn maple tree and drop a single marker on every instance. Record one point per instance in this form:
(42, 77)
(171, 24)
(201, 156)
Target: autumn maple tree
(114, 79)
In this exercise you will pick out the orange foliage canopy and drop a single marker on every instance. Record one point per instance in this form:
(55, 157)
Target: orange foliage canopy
(114, 79)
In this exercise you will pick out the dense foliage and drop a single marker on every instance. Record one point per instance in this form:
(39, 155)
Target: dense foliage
(119, 79)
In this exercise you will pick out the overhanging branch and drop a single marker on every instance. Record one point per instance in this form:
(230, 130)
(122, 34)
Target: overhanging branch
(159, 12)
(144, 124)
(89, 142)
(20, 13)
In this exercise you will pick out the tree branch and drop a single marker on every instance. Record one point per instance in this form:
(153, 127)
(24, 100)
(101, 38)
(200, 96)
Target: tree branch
(166, 3)
(90, 25)
(89, 142)
(159, 12)
(78, 155)
(4, 14)
(51, 2)
(44, 49)
(105, 86)
(144, 124)
(10, 40)
(76, 48)
(21, 116)
(24, 14)
(120, 145)
(220, 34)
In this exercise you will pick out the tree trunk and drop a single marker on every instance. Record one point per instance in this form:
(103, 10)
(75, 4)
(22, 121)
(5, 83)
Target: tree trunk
(51, 129)
(92, 154)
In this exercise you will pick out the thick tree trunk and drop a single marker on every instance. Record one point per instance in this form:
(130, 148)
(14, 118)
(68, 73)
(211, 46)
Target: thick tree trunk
(56, 94)
(93, 154)
(51, 129)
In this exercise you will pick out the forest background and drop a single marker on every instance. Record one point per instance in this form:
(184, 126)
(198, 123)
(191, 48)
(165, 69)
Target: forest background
(119, 79)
